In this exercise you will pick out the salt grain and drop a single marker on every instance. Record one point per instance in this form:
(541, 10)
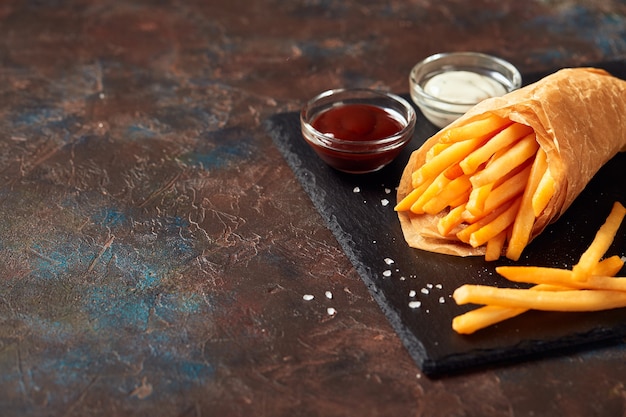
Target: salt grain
(356, 190)
(384, 202)
(424, 291)
(387, 273)
(389, 261)
(412, 293)
(442, 300)
(387, 190)
(329, 295)
(415, 304)
(331, 311)
(308, 297)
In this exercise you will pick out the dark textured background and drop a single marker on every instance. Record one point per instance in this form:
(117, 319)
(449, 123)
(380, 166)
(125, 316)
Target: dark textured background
(156, 246)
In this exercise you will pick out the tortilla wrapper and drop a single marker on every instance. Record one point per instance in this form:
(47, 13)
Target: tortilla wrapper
(579, 118)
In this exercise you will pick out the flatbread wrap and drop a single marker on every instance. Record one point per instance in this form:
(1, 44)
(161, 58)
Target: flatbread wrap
(551, 137)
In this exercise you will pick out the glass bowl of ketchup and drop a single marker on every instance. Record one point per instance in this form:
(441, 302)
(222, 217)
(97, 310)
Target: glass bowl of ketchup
(446, 85)
(357, 130)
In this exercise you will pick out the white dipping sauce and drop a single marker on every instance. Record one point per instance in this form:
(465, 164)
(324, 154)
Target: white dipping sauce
(463, 87)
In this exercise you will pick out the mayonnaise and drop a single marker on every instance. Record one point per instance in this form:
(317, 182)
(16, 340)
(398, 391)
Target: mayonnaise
(463, 87)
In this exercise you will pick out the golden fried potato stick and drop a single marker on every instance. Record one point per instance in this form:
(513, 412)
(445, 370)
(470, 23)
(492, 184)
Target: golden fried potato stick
(602, 278)
(523, 225)
(567, 300)
(458, 187)
(515, 156)
(543, 275)
(486, 126)
(486, 316)
(547, 279)
(433, 188)
(451, 220)
(465, 234)
(502, 140)
(478, 196)
(543, 194)
(447, 157)
(495, 246)
(603, 239)
(494, 228)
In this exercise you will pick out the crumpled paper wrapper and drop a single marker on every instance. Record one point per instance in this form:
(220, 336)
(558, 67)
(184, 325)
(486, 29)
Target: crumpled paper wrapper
(579, 118)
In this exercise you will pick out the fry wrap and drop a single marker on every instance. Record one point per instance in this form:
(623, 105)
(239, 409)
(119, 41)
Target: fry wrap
(578, 117)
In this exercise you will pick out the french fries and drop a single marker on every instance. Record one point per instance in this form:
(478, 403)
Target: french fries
(590, 285)
(487, 166)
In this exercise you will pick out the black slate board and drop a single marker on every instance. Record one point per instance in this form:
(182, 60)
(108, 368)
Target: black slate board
(356, 210)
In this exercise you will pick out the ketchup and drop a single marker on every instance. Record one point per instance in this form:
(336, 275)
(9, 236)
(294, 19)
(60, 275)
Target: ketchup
(357, 122)
(358, 126)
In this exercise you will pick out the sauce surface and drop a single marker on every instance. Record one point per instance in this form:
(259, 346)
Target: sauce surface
(357, 122)
(463, 87)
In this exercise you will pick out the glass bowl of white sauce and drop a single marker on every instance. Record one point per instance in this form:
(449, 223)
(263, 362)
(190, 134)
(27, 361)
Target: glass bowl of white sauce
(445, 86)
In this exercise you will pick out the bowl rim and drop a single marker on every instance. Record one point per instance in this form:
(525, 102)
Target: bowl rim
(400, 137)
(417, 88)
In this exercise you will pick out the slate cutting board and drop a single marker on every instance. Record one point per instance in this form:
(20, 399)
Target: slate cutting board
(359, 211)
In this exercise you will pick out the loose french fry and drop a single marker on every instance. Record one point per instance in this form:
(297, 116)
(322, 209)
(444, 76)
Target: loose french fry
(482, 317)
(562, 277)
(601, 242)
(515, 156)
(567, 300)
(609, 266)
(601, 277)
(486, 316)
(523, 225)
(506, 137)
(558, 276)
(486, 126)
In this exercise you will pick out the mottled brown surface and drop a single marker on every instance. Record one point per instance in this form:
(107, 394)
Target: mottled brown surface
(156, 247)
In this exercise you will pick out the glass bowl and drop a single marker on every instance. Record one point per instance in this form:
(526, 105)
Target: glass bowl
(357, 130)
(471, 78)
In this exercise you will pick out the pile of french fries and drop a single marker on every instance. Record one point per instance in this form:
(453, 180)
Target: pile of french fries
(491, 180)
(590, 285)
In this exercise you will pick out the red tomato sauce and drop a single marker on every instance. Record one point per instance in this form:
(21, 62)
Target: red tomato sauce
(357, 122)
